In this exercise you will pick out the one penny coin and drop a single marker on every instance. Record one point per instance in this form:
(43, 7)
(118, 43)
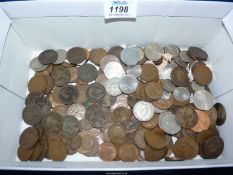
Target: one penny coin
(154, 90)
(52, 122)
(68, 94)
(152, 123)
(115, 50)
(179, 76)
(107, 151)
(202, 74)
(156, 141)
(197, 53)
(95, 92)
(60, 75)
(24, 154)
(32, 114)
(37, 84)
(77, 110)
(28, 138)
(76, 55)
(47, 57)
(186, 117)
(128, 152)
(213, 147)
(87, 72)
(122, 115)
(149, 72)
(221, 114)
(154, 154)
(96, 55)
(203, 121)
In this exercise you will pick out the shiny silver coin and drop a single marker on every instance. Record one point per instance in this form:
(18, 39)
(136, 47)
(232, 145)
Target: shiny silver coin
(128, 84)
(180, 62)
(196, 87)
(61, 56)
(153, 51)
(185, 57)
(173, 50)
(136, 70)
(181, 94)
(167, 122)
(112, 87)
(36, 65)
(113, 69)
(130, 56)
(168, 85)
(203, 100)
(143, 111)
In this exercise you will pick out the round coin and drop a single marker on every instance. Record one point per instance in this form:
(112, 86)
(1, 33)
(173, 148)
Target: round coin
(129, 56)
(47, 57)
(122, 115)
(197, 53)
(87, 72)
(186, 117)
(149, 72)
(28, 138)
(128, 152)
(77, 110)
(203, 121)
(36, 65)
(181, 94)
(153, 90)
(202, 74)
(68, 94)
(203, 100)
(52, 122)
(112, 87)
(37, 84)
(70, 126)
(143, 111)
(115, 50)
(185, 57)
(173, 50)
(60, 75)
(128, 84)
(155, 140)
(113, 69)
(24, 154)
(96, 55)
(213, 147)
(135, 71)
(95, 92)
(179, 76)
(221, 114)
(168, 85)
(61, 56)
(107, 151)
(32, 114)
(76, 55)
(96, 116)
(154, 154)
(153, 51)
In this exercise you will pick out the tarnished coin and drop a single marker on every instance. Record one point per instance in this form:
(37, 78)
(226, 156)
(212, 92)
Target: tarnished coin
(186, 117)
(96, 116)
(141, 54)
(112, 87)
(122, 115)
(84, 124)
(95, 92)
(167, 122)
(143, 111)
(96, 55)
(74, 142)
(154, 154)
(76, 55)
(196, 87)
(87, 72)
(88, 142)
(221, 114)
(153, 51)
(185, 57)
(82, 93)
(181, 94)
(50, 84)
(68, 94)
(70, 126)
(77, 110)
(168, 85)
(37, 84)
(47, 57)
(107, 151)
(36, 65)
(24, 154)
(155, 140)
(35, 98)
(56, 150)
(213, 147)
(32, 114)
(108, 59)
(139, 138)
(180, 62)
(113, 69)
(213, 115)
(179, 76)
(129, 56)
(73, 74)
(197, 53)
(128, 152)
(116, 130)
(166, 101)
(52, 122)
(203, 100)
(102, 79)
(60, 75)
(115, 50)
(203, 121)
(28, 138)
(36, 152)
(149, 72)
(135, 71)
(152, 123)
(202, 74)
(61, 56)
(153, 90)
(173, 50)
(128, 84)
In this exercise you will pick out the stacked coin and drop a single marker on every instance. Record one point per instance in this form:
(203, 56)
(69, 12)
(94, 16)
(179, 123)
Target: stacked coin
(115, 105)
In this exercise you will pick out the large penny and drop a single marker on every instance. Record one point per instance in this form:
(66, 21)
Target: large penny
(149, 72)
(57, 150)
(28, 138)
(95, 92)
(61, 109)
(87, 72)
(47, 57)
(96, 116)
(221, 114)
(186, 117)
(179, 76)
(154, 154)
(115, 50)
(70, 126)
(76, 55)
(32, 114)
(202, 74)
(52, 122)
(156, 141)
(74, 142)
(68, 94)
(197, 53)
(60, 75)
(24, 154)
(37, 84)
(96, 55)
(213, 147)
(35, 98)
(122, 115)
(154, 90)
(153, 51)
(107, 151)
(128, 152)
(139, 138)
(185, 57)
(203, 121)
(116, 130)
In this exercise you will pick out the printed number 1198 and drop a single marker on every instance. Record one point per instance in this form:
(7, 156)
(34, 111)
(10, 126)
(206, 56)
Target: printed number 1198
(119, 9)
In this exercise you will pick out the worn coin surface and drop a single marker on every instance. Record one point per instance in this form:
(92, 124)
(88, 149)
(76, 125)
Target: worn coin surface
(152, 123)
(203, 121)
(37, 84)
(136, 70)
(154, 154)
(32, 114)
(128, 84)
(197, 53)
(96, 55)
(68, 94)
(186, 117)
(96, 116)
(87, 72)
(173, 50)
(153, 90)
(180, 62)
(95, 92)
(139, 138)
(70, 126)
(115, 50)
(149, 72)
(203, 100)
(24, 154)
(181, 94)
(213, 147)
(122, 115)
(76, 55)
(60, 75)
(116, 130)
(77, 110)
(107, 151)
(36, 65)
(130, 56)
(128, 152)
(168, 85)
(113, 69)
(221, 114)
(185, 57)
(153, 51)
(143, 111)
(179, 76)
(47, 57)
(155, 140)
(112, 87)
(28, 138)
(202, 74)
(52, 122)
(61, 56)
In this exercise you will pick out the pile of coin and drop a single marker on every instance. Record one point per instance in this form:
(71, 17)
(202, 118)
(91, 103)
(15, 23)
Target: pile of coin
(126, 104)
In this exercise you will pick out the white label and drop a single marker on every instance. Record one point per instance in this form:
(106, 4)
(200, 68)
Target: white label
(120, 8)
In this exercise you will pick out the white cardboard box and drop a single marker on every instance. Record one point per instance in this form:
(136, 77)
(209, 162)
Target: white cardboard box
(29, 26)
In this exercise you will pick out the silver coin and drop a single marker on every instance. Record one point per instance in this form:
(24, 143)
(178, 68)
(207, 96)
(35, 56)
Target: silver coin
(113, 69)
(153, 51)
(143, 111)
(77, 110)
(61, 56)
(181, 94)
(167, 122)
(196, 87)
(184, 56)
(203, 100)
(128, 84)
(112, 87)
(168, 85)
(130, 56)
(180, 62)
(141, 53)
(107, 59)
(166, 96)
(136, 70)
(36, 65)
(173, 50)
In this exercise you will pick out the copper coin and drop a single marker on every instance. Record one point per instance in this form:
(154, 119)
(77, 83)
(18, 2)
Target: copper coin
(70, 126)
(43, 145)
(95, 92)
(24, 154)
(202, 74)
(203, 122)
(73, 74)
(132, 125)
(118, 140)
(116, 130)
(107, 151)
(87, 144)
(115, 50)
(96, 55)
(128, 152)
(179, 76)
(154, 154)
(87, 72)
(186, 117)
(164, 103)
(197, 53)
(52, 122)
(155, 140)
(28, 138)
(68, 94)
(32, 114)
(36, 152)
(68, 65)
(61, 109)
(77, 110)
(213, 147)
(122, 115)
(152, 123)
(54, 99)
(189, 133)
(60, 75)
(221, 114)
(57, 150)
(50, 84)
(74, 142)
(82, 93)
(35, 98)
(84, 124)
(94, 150)
(194, 145)
(96, 116)
(139, 138)
(132, 101)
(213, 115)
(183, 149)
(149, 72)
(47, 57)
(154, 90)
(76, 55)
(37, 84)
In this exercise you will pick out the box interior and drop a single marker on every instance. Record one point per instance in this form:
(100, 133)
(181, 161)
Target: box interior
(29, 35)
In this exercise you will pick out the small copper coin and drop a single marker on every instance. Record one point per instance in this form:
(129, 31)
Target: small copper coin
(107, 151)
(37, 84)
(203, 122)
(24, 154)
(154, 154)
(87, 72)
(213, 115)
(221, 114)
(32, 114)
(213, 147)
(153, 90)
(155, 140)
(47, 57)
(68, 94)
(116, 130)
(179, 76)
(197, 53)
(115, 50)
(52, 122)
(202, 74)
(82, 93)
(95, 92)
(139, 138)
(152, 123)
(128, 152)
(87, 144)
(74, 142)
(60, 75)
(182, 149)
(149, 72)
(28, 138)
(57, 151)
(96, 55)
(186, 117)
(122, 115)
(96, 116)
(76, 55)
(50, 84)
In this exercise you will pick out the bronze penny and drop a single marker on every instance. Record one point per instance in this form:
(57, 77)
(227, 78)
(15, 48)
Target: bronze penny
(61, 109)
(74, 142)
(132, 101)
(76, 55)
(87, 72)
(122, 114)
(94, 150)
(213, 147)
(156, 141)
(128, 152)
(57, 150)
(107, 151)
(152, 123)
(39, 129)
(153, 90)
(197, 53)
(54, 99)
(179, 76)
(183, 149)
(36, 152)
(221, 114)
(60, 75)
(32, 114)
(189, 133)
(118, 140)
(95, 92)
(24, 154)
(35, 98)
(87, 144)
(82, 93)
(154, 154)
(52, 122)
(73, 74)
(50, 84)
(115, 50)
(84, 124)
(37, 84)
(213, 115)
(47, 57)
(68, 94)
(164, 104)
(139, 138)
(28, 138)
(202, 74)
(194, 145)
(203, 121)
(43, 145)
(96, 116)
(186, 117)
(96, 55)
(149, 72)
(116, 130)
(70, 126)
